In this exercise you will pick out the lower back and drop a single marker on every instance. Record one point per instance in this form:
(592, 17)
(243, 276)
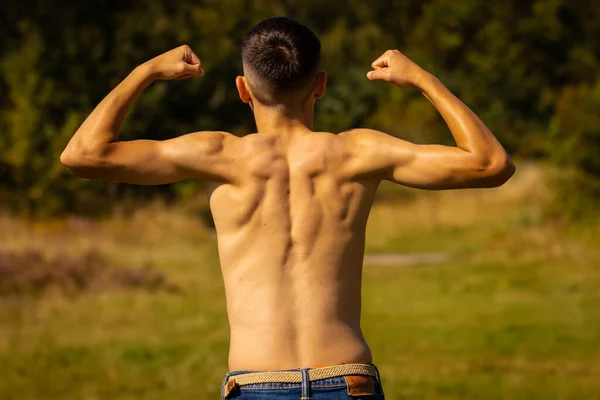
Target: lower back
(305, 313)
(286, 345)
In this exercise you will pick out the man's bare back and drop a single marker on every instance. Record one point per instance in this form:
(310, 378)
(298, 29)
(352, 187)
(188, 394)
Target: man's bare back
(290, 205)
(291, 239)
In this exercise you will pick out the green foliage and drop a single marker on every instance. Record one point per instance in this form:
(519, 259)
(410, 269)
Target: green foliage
(575, 134)
(522, 66)
(575, 128)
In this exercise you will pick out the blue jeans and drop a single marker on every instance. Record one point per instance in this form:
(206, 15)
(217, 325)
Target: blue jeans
(338, 388)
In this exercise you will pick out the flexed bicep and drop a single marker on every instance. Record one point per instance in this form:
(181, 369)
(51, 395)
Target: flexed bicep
(381, 156)
(437, 167)
(200, 155)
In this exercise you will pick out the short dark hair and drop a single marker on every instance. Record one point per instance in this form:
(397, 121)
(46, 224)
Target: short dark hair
(283, 54)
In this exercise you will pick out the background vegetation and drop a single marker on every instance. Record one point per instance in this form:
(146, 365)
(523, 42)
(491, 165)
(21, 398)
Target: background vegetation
(530, 69)
(114, 291)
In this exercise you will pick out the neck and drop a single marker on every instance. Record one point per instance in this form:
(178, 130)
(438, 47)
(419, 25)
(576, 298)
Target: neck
(282, 119)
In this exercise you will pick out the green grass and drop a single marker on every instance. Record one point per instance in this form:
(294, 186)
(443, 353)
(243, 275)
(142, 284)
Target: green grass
(480, 330)
(515, 315)
(486, 330)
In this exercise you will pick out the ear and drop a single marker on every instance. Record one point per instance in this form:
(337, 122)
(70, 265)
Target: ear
(321, 85)
(243, 89)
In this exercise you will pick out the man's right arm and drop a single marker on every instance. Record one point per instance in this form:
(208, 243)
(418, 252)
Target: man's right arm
(477, 160)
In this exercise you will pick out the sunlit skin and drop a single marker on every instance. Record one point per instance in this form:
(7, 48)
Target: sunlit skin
(290, 205)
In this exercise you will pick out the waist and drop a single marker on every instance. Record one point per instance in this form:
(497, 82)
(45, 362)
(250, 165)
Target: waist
(249, 377)
(355, 377)
(277, 351)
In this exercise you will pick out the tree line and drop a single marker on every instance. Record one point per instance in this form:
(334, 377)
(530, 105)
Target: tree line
(530, 69)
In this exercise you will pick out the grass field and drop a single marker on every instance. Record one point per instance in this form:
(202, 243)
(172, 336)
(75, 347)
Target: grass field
(515, 313)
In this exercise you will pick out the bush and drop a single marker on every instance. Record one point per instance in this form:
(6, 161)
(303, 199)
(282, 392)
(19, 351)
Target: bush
(574, 144)
(31, 274)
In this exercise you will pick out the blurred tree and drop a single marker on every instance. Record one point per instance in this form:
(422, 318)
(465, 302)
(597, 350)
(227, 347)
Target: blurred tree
(574, 144)
(521, 65)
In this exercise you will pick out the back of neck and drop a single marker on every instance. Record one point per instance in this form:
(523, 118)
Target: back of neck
(282, 119)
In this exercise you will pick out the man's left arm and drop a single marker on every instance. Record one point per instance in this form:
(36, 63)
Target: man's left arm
(94, 152)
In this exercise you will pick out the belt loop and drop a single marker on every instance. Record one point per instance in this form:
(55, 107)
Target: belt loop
(378, 378)
(305, 384)
(229, 387)
(223, 386)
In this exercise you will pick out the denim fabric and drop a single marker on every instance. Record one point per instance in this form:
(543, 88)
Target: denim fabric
(324, 389)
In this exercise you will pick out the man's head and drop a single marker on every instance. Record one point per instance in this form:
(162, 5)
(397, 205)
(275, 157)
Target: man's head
(281, 60)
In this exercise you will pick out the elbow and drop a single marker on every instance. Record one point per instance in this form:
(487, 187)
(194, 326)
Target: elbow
(68, 160)
(77, 163)
(71, 162)
(499, 171)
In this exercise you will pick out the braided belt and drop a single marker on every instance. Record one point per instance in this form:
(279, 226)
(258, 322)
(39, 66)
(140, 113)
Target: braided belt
(296, 376)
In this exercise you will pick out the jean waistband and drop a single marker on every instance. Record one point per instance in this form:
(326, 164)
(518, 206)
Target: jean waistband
(297, 376)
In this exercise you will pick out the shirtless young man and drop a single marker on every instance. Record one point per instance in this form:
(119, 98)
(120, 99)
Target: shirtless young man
(290, 205)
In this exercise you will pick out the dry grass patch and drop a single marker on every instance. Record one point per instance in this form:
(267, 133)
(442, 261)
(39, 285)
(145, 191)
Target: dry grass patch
(33, 274)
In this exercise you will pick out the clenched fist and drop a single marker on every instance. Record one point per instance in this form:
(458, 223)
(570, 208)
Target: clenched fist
(179, 63)
(394, 67)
